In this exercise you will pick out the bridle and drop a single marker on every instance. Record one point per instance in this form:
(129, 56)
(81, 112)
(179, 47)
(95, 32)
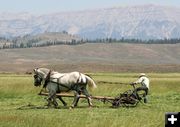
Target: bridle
(38, 79)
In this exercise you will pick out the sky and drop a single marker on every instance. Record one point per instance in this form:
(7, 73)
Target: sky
(52, 6)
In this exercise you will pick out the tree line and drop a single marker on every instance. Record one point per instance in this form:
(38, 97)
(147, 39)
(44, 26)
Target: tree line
(37, 42)
(136, 41)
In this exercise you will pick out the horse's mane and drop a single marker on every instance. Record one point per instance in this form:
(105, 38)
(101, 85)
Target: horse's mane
(88, 75)
(45, 70)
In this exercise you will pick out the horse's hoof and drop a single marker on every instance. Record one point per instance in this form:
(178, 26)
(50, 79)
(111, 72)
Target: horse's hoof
(65, 105)
(46, 107)
(70, 108)
(56, 107)
(90, 107)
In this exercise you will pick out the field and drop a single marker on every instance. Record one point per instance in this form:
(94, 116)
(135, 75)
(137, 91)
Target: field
(94, 57)
(17, 93)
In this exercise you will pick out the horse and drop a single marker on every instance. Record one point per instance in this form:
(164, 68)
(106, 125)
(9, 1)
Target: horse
(56, 82)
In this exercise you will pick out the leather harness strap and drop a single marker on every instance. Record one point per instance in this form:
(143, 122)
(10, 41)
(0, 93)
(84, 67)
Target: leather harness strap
(47, 79)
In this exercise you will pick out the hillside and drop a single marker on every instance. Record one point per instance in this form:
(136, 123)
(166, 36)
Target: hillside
(96, 57)
(40, 40)
(142, 22)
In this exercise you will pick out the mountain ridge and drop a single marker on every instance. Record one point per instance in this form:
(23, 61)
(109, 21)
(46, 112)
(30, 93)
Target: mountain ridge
(141, 22)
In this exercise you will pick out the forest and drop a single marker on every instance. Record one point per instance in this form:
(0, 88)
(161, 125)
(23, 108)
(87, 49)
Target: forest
(63, 38)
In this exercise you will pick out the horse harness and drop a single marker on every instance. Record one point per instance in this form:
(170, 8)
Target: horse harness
(47, 79)
(72, 87)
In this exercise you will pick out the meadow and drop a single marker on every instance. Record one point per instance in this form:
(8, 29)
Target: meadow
(17, 92)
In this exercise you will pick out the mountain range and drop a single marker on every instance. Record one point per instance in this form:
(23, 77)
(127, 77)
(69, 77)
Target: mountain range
(140, 22)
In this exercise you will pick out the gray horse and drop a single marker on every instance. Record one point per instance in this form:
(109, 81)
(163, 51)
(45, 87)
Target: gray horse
(56, 82)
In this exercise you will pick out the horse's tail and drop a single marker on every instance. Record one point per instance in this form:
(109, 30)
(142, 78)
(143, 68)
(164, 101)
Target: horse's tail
(90, 82)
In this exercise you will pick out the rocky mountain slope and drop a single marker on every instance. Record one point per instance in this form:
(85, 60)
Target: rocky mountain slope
(143, 22)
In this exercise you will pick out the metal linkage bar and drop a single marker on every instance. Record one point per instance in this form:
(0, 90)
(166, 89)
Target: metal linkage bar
(81, 96)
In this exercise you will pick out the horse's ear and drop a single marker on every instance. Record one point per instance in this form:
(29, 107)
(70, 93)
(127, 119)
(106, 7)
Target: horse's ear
(35, 70)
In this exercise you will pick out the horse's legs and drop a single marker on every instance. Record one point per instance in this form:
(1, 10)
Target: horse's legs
(49, 100)
(64, 103)
(85, 92)
(76, 99)
(54, 101)
(52, 98)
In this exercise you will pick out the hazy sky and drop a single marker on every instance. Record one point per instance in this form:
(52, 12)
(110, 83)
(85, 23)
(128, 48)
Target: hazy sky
(49, 6)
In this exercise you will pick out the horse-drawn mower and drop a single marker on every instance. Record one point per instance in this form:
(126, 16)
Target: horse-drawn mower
(128, 98)
(56, 83)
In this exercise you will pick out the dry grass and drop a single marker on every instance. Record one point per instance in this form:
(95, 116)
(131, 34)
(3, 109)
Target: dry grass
(94, 58)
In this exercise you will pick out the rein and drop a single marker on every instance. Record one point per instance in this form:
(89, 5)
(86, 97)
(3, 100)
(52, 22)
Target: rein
(106, 82)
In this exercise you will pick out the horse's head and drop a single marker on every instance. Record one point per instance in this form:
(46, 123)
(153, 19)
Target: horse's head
(40, 74)
(37, 77)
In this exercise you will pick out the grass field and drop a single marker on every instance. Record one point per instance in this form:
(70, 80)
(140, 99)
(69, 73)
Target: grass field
(18, 91)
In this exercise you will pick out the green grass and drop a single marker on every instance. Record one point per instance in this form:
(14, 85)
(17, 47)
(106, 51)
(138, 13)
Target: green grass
(18, 90)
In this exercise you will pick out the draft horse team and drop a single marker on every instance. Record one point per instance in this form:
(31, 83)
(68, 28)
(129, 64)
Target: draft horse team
(56, 82)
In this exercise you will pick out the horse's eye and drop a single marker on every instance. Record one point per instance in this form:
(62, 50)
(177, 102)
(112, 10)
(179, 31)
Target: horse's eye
(35, 76)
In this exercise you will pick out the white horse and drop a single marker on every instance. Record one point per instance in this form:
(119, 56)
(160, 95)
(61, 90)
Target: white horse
(56, 82)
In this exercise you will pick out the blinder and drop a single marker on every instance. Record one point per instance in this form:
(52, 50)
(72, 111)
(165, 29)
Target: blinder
(37, 80)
